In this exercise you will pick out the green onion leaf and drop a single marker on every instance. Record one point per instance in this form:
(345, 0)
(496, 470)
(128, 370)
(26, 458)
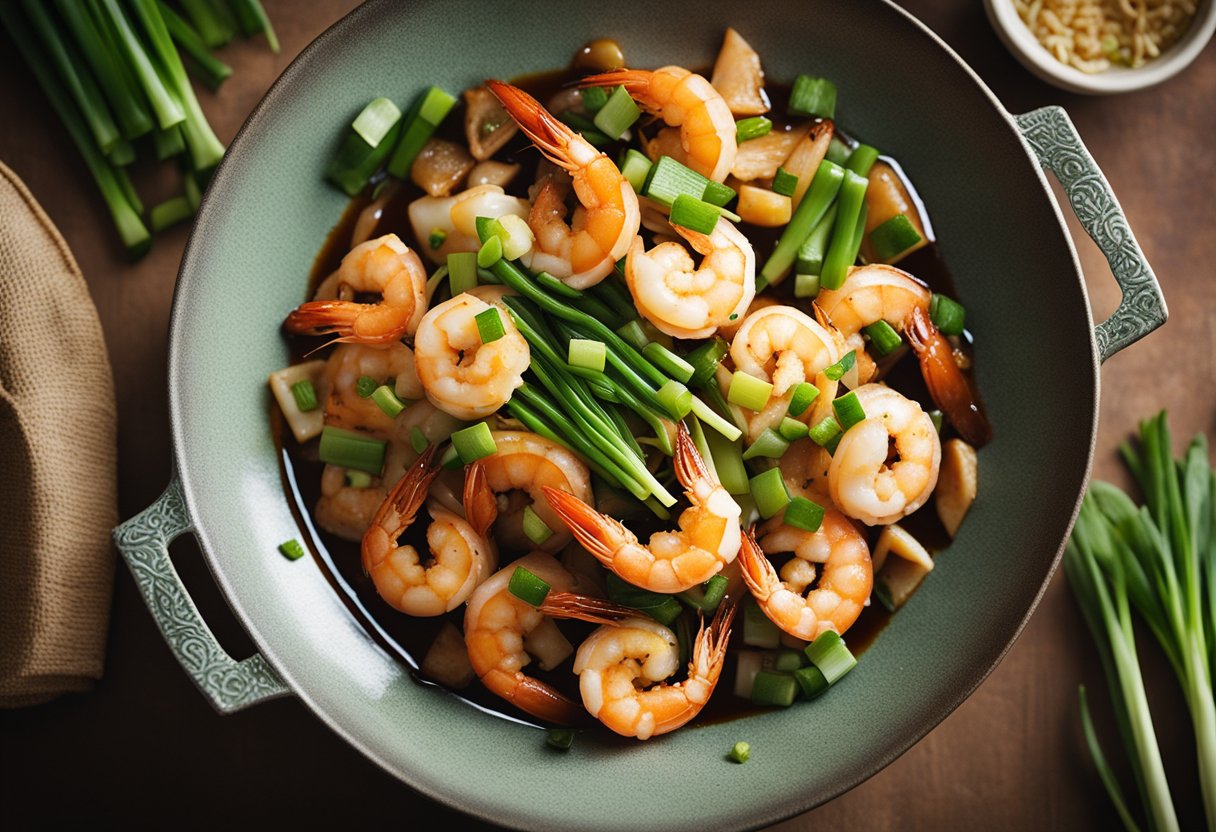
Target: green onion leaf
(785, 183)
(848, 410)
(635, 167)
(305, 395)
(748, 391)
(768, 444)
(594, 98)
(947, 315)
(365, 386)
(169, 213)
(618, 114)
(842, 250)
(705, 359)
(490, 252)
(862, 159)
(829, 654)
(668, 362)
(716, 193)
(812, 97)
(882, 593)
(418, 440)
(584, 352)
(473, 443)
(419, 124)
(376, 120)
(291, 549)
(728, 462)
(938, 420)
(802, 397)
(884, 337)
(806, 285)
(358, 479)
(386, 399)
(527, 587)
(769, 491)
(351, 449)
(758, 630)
(662, 608)
(489, 325)
(810, 254)
(462, 271)
(792, 430)
(634, 334)
(535, 528)
(894, 237)
(668, 179)
(752, 128)
(693, 214)
(676, 399)
(837, 371)
(803, 514)
(772, 687)
(838, 150)
(811, 681)
(824, 431)
(811, 210)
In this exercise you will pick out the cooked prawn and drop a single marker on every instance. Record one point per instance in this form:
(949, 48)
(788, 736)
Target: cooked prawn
(950, 389)
(514, 476)
(688, 302)
(344, 407)
(385, 266)
(622, 669)
(844, 586)
(688, 101)
(460, 557)
(456, 216)
(585, 251)
(708, 538)
(461, 375)
(863, 481)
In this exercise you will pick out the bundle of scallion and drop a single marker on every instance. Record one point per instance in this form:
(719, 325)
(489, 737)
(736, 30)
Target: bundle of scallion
(115, 75)
(1159, 558)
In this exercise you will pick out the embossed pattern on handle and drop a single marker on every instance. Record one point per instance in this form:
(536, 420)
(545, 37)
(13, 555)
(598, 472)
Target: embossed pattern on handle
(1055, 141)
(144, 542)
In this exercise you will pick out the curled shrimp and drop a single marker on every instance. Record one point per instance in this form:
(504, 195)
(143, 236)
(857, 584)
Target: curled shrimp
(461, 375)
(843, 588)
(688, 302)
(708, 538)
(502, 634)
(688, 101)
(500, 486)
(584, 252)
(623, 667)
(385, 266)
(869, 485)
(947, 385)
(460, 557)
(344, 407)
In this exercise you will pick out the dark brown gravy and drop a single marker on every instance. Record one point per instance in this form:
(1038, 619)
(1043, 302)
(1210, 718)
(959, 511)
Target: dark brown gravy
(408, 638)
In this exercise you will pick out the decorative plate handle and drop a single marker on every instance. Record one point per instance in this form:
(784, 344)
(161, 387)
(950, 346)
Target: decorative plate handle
(1055, 141)
(144, 542)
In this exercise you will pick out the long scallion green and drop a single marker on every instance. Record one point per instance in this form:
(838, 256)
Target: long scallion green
(842, 250)
(815, 203)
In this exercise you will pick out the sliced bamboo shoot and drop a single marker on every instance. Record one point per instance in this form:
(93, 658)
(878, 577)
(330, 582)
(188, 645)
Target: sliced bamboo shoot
(956, 483)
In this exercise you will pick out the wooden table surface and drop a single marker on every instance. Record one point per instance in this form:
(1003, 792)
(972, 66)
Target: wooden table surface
(144, 747)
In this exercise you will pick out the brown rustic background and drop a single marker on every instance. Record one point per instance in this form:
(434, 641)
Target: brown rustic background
(144, 748)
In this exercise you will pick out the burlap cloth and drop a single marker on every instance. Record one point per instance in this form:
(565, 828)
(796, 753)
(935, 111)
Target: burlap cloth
(57, 466)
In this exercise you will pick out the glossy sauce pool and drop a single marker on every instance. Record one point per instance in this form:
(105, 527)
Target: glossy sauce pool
(408, 638)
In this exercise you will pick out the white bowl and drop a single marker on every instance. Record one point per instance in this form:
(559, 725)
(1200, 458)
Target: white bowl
(1035, 57)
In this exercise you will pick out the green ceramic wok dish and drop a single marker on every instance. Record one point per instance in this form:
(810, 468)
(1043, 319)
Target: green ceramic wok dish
(977, 167)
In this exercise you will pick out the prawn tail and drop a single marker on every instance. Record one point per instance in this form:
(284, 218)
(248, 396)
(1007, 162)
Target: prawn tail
(322, 317)
(551, 136)
(709, 649)
(947, 385)
(758, 572)
(410, 491)
(635, 81)
(480, 507)
(599, 535)
(585, 608)
(690, 467)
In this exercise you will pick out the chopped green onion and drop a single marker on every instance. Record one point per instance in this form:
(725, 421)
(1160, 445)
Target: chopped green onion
(768, 444)
(365, 147)
(462, 271)
(528, 587)
(358, 479)
(418, 440)
(705, 359)
(635, 167)
(848, 410)
(350, 449)
(862, 159)
(490, 252)
(837, 371)
(536, 529)
(935, 416)
(305, 395)
(710, 416)
(376, 120)
(769, 491)
(838, 150)
(708, 595)
(584, 352)
(668, 362)
(718, 194)
(437, 236)
(691, 213)
(386, 399)
(739, 752)
(675, 398)
(787, 660)
(560, 738)
(772, 687)
(792, 430)
(728, 462)
(253, 19)
(806, 285)
(752, 128)
(488, 227)
(815, 203)
(810, 254)
(662, 608)
(618, 114)
(812, 97)
(748, 391)
(829, 654)
(804, 394)
(758, 630)
(894, 237)
(842, 250)
(427, 113)
(585, 127)
(668, 179)
(634, 334)
(473, 443)
(824, 431)
(785, 183)
(811, 680)
(594, 98)
(948, 315)
(554, 285)
(803, 514)
(450, 461)
(489, 325)
(169, 213)
(884, 337)
(365, 386)
(291, 549)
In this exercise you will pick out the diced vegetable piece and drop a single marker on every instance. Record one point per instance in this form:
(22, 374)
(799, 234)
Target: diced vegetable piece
(693, 214)
(668, 179)
(350, 449)
(618, 114)
(386, 399)
(635, 167)
(748, 391)
(169, 213)
(358, 479)
(305, 395)
(811, 681)
(728, 462)
(896, 540)
(848, 410)
(518, 237)
(365, 386)
(633, 333)
(474, 442)
(760, 158)
(668, 362)
(787, 660)
(839, 151)
(447, 659)
(792, 430)
(489, 325)
(902, 578)
(705, 360)
(829, 654)
(291, 549)
(752, 128)
(492, 172)
(462, 271)
(862, 159)
(586, 353)
(823, 189)
(947, 315)
(837, 371)
(528, 587)
(771, 687)
(418, 440)
(956, 483)
(768, 209)
(490, 252)
(841, 251)
(559, 738)
(487, 126)
(769, 491)
(824, 431)
(748, 664)
(803, 514)
(441, 166)
(594, 98)
(768, 444)
(894, 237)
(427, 113)
(884, 337)
(806, 285)
(718, 194)
(812, 97)
(740, 752)
(758, 630)
(707, 596)
(305, 423)
(784, 182)
(738, 76)
(376, 120)
(810, 254)
(676, 398)
(535, 528)
(802, 397)
(436, 238)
